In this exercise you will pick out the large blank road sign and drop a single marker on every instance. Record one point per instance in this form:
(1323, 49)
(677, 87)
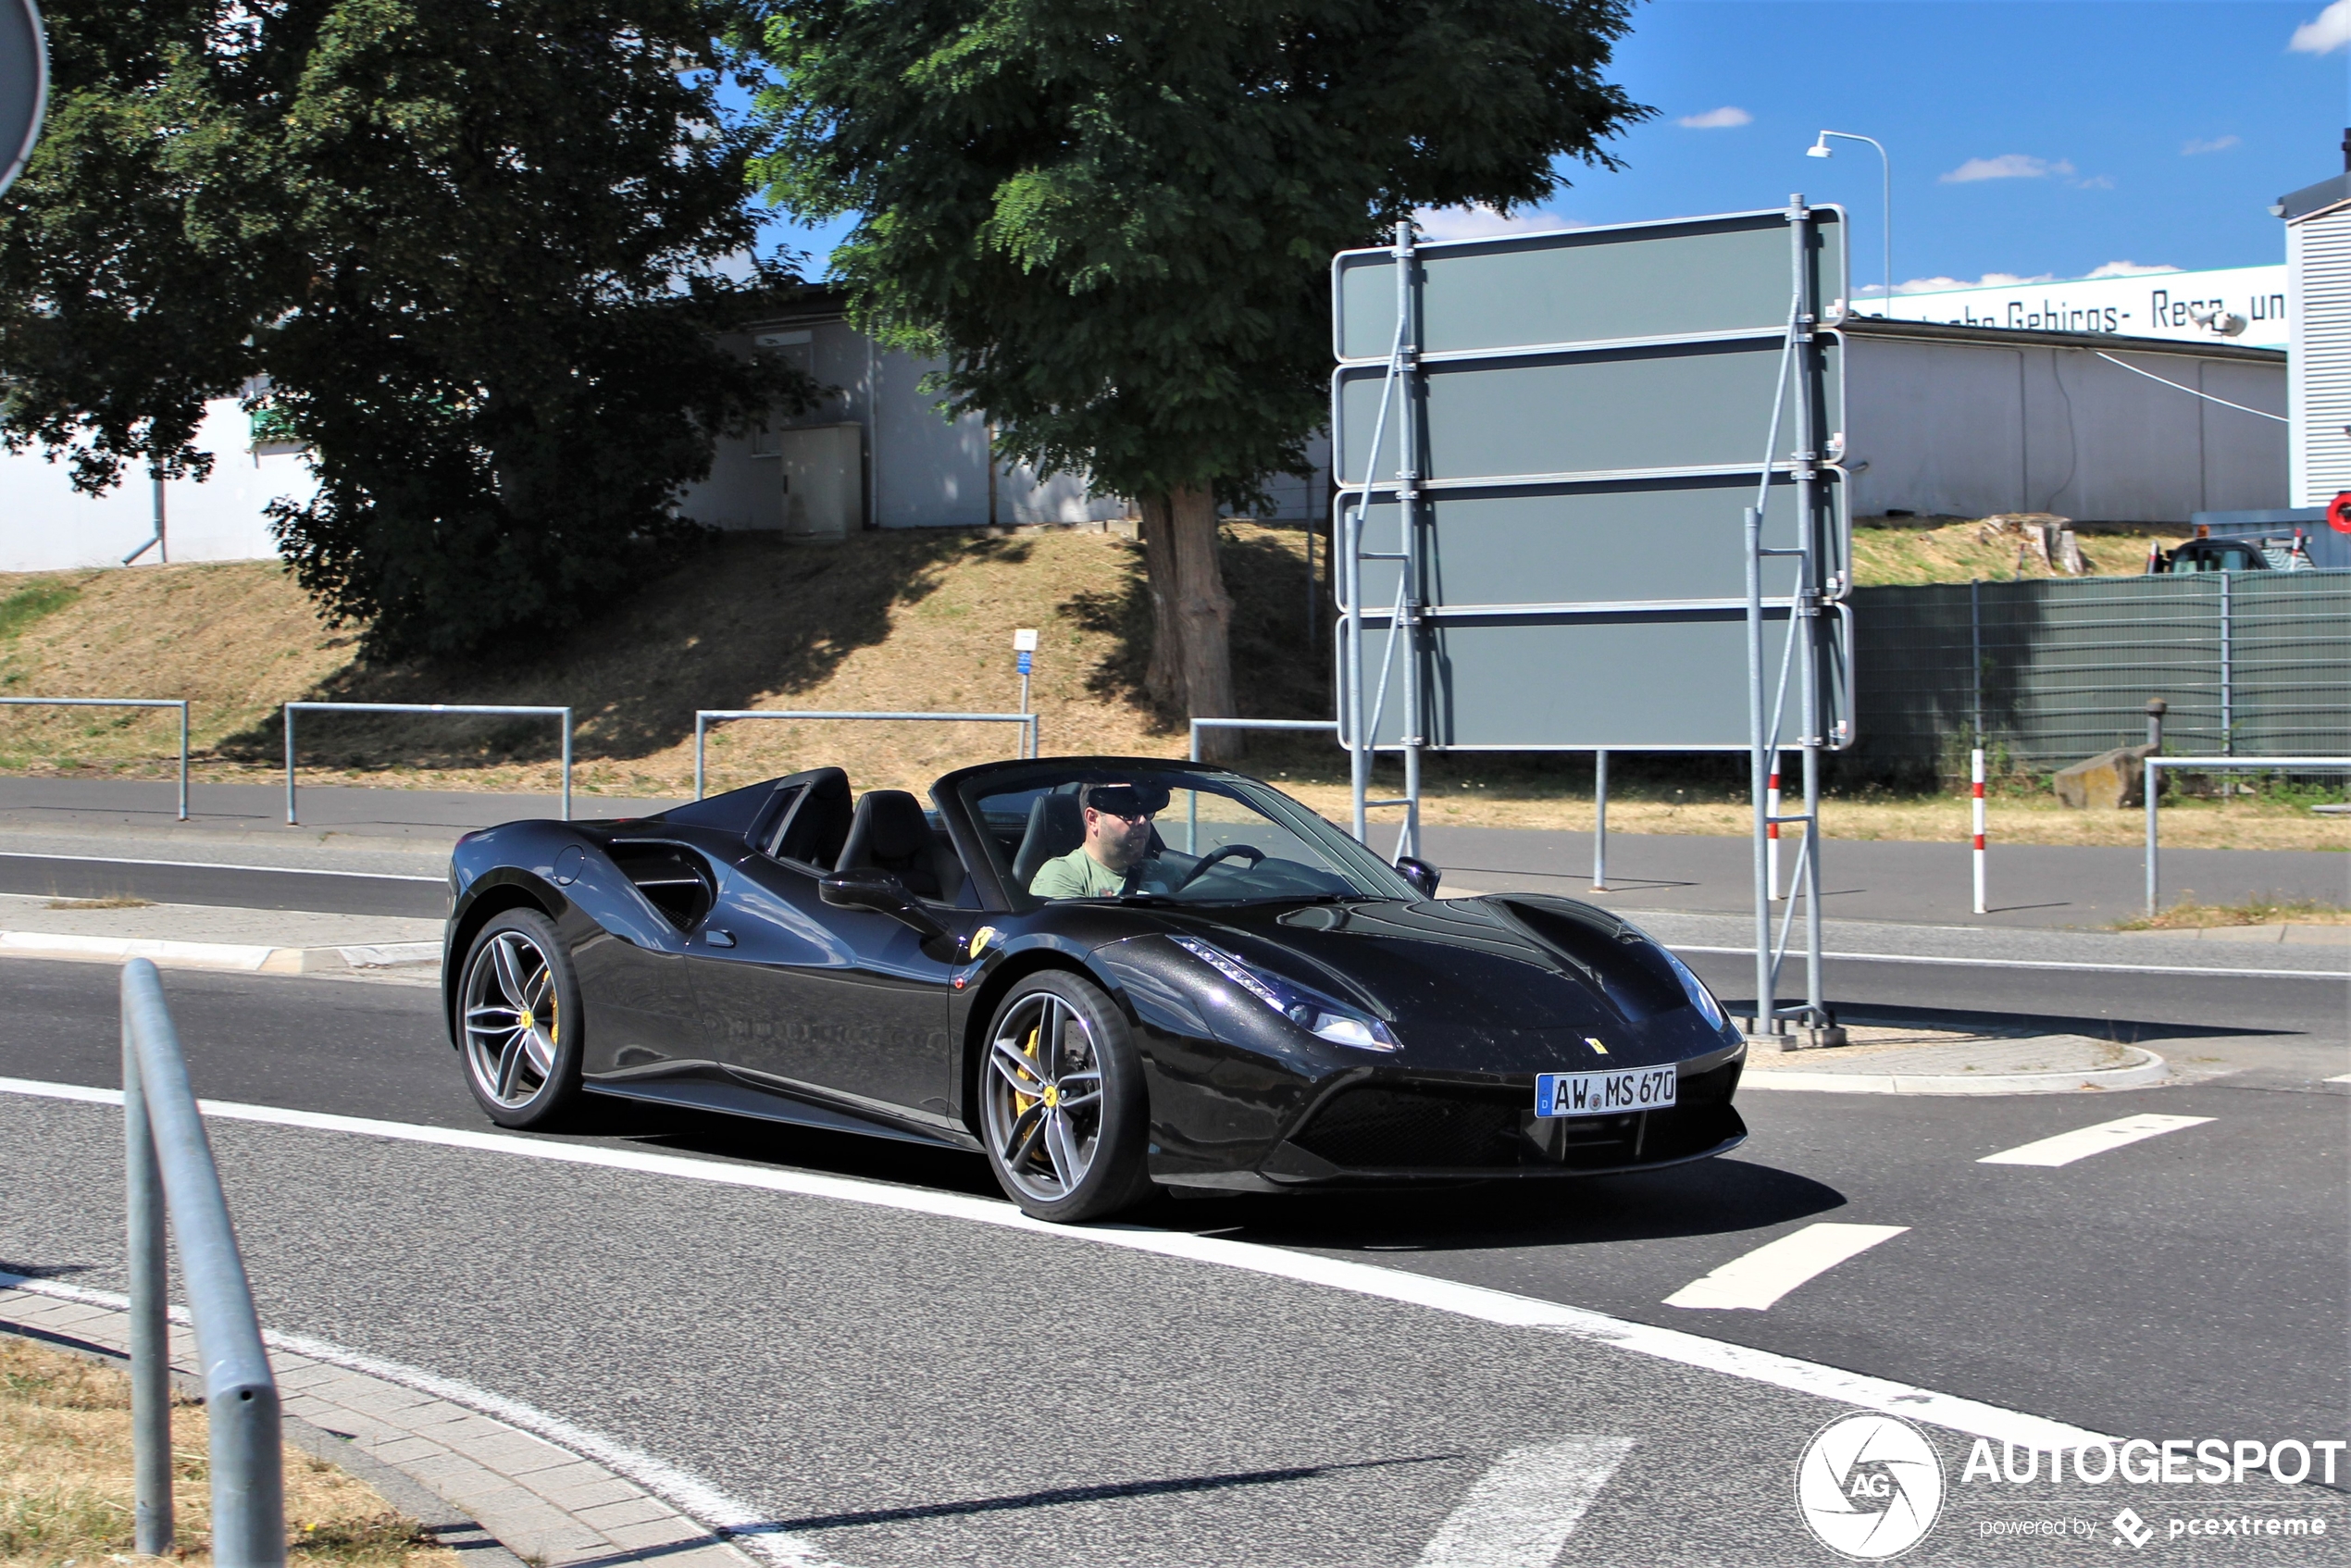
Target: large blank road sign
(24, 85)
(1592, 409)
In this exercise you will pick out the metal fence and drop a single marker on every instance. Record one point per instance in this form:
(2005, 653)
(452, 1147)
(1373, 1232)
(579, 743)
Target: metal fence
(2158, 766)
(706, 718)
(2050, 672)
(292, 708)
(169, 1171)
(121, 703)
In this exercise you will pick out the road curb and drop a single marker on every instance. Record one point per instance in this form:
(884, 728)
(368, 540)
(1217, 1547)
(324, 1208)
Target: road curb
(544, 1505)
(2149, 1069)
(248, 958)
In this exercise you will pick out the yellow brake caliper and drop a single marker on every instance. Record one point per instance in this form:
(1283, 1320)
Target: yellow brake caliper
(1021, 1102)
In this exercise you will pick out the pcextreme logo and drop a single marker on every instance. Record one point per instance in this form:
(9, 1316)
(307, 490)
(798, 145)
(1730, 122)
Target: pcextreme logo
(1869, 1486)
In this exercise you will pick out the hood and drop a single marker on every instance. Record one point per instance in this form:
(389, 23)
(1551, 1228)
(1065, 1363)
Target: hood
(1489, 970)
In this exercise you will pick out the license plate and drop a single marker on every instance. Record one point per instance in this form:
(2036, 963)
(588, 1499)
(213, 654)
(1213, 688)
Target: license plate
(1604, 1094)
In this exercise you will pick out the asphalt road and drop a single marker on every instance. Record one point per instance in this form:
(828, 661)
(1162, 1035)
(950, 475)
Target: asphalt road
(236, 886)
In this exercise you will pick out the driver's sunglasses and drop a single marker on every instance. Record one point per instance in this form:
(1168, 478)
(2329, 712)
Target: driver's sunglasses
(1125, 805)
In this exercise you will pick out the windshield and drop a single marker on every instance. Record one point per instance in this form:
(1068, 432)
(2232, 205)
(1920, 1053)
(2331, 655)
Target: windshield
(1163, 834)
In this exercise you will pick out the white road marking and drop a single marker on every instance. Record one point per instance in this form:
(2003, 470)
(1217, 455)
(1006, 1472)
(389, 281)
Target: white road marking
(1752, 1282)
(2337, 976)
(1521, 1511)
(1499, 1307)
(2340, 1078)
(739, 1523)
(2082, 1142)
(223, 866)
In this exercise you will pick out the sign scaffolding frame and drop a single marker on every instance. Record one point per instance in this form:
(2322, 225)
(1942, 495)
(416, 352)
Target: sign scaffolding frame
(1388, 648)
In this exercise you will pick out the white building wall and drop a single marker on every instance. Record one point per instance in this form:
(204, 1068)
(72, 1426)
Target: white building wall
(1975, 426)
(46, 526)
(2318, 267)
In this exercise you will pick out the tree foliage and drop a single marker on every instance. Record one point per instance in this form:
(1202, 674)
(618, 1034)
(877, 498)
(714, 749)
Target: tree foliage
(468, 254)
(1112, 218)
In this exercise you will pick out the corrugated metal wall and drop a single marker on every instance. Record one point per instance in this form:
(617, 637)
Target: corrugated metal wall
(2319, 251)
(2067, 667)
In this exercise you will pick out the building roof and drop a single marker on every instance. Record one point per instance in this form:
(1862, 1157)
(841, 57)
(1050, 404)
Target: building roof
(2311, 200)
(1943, 332)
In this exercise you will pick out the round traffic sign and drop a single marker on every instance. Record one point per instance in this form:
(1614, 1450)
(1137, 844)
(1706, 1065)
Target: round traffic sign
(2339, 513)
(24, 85)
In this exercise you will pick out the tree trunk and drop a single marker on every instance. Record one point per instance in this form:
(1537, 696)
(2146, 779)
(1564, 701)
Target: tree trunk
(1163, 677)
(1191, 615)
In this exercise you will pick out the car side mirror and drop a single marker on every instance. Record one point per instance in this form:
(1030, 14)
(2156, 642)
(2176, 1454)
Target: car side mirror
(1420, 873)
(866, 887)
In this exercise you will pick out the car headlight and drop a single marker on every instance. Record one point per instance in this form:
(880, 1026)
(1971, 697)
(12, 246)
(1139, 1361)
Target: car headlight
(1695, 988)
(1310, 1010)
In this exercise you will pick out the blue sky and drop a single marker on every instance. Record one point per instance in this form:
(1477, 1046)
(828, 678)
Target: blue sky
(2028, 138)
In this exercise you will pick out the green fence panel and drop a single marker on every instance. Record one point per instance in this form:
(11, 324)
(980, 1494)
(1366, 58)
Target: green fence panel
(2053, 671)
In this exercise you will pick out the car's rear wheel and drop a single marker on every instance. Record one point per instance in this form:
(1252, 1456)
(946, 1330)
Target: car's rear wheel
(519, 1022)
(1063, 1108)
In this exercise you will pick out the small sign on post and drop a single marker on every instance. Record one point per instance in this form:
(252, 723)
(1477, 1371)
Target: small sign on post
(1024, 657)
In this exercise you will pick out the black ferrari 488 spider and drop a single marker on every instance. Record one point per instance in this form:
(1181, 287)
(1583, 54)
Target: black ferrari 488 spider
(1109, 975)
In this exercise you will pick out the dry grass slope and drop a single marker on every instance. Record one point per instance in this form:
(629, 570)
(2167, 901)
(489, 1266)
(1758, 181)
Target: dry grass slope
(66, 1491)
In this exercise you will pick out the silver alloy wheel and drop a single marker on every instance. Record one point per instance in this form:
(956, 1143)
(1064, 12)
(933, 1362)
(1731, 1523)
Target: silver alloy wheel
(511, 1020)
(1041, 1097)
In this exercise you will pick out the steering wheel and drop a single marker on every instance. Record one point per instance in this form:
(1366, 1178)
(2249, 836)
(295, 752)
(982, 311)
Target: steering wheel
(1227, 853)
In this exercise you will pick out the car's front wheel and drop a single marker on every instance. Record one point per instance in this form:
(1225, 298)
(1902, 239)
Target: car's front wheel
(1063, 1108)
(519, 1022)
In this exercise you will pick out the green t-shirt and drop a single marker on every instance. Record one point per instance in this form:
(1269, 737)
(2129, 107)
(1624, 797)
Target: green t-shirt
(1079, 876)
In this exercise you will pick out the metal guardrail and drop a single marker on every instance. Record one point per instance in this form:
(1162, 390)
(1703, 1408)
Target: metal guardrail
(705, 717)
(564, 714)
(2213, 764)
(169, 1169)
(121, 703)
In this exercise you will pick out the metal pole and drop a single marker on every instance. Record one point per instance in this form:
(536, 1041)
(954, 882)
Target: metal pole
(241, 1393)
(1975, 649)
(1408, 445)
(1765, 1009)
(1599, 822)
(150, 1331)
(567, 764)
(289, 755)
(701, 724)
(1314, 609)
(1807, 617)
(183, 762)
(2228, 715)
(1359, 756)
(2150, 782)
(1975, 768)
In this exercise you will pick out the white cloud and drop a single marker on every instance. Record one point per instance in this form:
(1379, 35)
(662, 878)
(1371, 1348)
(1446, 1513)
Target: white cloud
(1728, 118)
(2011, 166)
(2329, 32)
(2194, 148)
(2129, 269)
(1481, 221)
(2096, 182)
(1989, 280)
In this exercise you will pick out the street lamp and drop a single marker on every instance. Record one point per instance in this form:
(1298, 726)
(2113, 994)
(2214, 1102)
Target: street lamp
(1821, 149)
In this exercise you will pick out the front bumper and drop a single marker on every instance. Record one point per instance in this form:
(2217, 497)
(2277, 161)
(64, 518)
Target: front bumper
(1416, 1130)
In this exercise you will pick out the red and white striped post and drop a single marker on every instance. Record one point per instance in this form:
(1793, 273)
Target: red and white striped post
(1976, 770)
(1772, 829)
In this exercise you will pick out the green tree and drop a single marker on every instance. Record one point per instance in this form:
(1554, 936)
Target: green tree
(1112, 217)
(470, 254)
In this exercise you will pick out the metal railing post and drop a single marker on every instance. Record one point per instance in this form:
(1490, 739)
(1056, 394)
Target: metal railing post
(1766, 1019)
(179, 702)
(567, 764)
(701, 729)
(150, 1331)
(2150, 785)
(1599, 822)
(240, 1392)
(290, 757)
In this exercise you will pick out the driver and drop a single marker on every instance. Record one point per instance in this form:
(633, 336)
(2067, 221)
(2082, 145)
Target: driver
(1115, 856)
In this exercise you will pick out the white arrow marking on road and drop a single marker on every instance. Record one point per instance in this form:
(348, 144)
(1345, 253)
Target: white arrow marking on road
(2080, 1144)
(1753, 1282)
(2344, 1079)
(1521, 1511)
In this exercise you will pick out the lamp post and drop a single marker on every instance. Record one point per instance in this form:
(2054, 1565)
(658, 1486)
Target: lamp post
(1821, 149)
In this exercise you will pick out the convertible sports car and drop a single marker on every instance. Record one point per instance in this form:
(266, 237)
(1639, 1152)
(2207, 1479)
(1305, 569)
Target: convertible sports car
(1222, 990)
